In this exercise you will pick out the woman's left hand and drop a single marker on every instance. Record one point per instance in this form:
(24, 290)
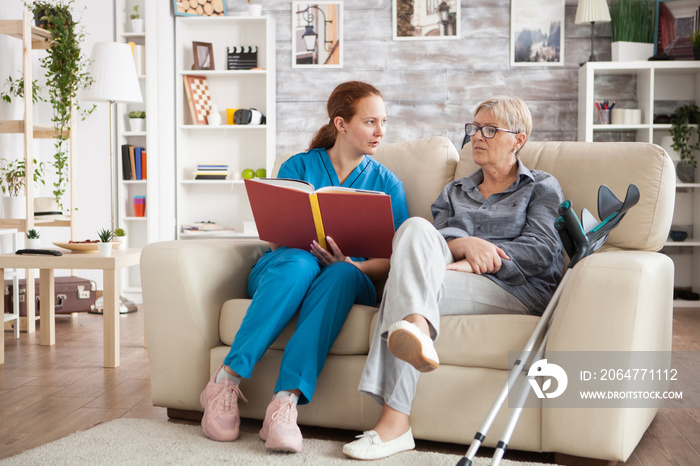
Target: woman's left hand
(327, 257)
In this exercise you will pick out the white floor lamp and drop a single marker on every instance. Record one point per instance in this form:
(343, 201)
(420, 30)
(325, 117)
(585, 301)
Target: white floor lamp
(114, 71)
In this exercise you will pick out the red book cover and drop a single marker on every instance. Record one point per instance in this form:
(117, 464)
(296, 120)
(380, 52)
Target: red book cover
(290, 213)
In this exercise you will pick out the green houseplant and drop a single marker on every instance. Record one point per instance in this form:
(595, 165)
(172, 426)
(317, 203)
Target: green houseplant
(65, 66)
(632, 27)
(12, 183)
(695, 40)
(686, 139)
(136, 21)
(136, 118)
(32, 241)
(120, 236)
(104, 247)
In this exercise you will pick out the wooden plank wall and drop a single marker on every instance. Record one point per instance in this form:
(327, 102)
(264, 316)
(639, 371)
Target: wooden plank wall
(431, 87)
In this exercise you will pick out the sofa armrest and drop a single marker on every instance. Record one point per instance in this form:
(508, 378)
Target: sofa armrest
(613, 301)
(185, 283)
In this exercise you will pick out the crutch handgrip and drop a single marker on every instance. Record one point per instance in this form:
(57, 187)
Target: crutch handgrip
(573, 224)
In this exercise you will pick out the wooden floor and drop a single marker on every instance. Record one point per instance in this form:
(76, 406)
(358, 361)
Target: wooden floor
(49, 392)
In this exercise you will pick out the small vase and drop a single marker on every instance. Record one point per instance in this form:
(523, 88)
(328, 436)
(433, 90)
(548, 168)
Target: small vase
(14, 206)
(696, 53)
(685, 172)
(214, 117)
(32, 243)
(254, 10)
(104, 249)
(136, 125)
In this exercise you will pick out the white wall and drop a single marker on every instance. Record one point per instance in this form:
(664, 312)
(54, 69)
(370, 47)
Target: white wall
(92, 133)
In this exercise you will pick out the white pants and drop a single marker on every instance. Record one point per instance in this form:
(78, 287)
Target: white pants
(419, 283)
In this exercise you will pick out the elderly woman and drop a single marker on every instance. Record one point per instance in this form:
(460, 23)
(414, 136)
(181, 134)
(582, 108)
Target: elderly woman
(491, 249)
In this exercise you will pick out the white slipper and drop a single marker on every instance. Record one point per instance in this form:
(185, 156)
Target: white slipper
(369, 446)
(408, 343)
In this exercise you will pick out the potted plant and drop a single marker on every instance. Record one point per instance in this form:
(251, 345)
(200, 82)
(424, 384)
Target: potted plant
(695, 40)
(136, 21)
(632, 28)
(65, 65)
(104, 247)
(12, 183)
(32, 241)
(136, 118)
(686, 139)
(120, 236)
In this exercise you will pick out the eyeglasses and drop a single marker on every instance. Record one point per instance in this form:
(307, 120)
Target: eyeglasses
(488, 131)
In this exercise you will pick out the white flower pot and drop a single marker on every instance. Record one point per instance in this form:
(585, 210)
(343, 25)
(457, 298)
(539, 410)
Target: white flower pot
(254, 10)
(122, 241)
(14, 206)
(137, 26)
(631, 51)
(104, 249)
(136, 124)
(34, 243)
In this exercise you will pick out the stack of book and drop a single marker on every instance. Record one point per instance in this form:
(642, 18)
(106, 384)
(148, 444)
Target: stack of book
(133, 162)
(139, 52)
(211, 172)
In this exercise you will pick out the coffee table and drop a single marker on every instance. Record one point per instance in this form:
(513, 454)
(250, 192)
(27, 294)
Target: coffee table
(47, 264)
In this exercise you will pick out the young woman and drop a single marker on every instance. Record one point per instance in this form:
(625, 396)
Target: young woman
(319, 285)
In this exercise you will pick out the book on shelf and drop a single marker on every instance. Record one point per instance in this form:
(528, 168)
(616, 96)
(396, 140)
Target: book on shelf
(134, 162)
(291, 213)
(204, 228)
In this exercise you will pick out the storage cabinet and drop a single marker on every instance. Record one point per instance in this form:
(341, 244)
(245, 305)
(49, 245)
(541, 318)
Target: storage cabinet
(140, 229)
(656, 88)
(238, 147)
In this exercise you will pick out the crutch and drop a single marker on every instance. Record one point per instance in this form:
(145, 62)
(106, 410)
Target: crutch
(579, 241)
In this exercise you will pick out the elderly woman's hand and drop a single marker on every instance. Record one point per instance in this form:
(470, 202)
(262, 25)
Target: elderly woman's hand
(481, 255)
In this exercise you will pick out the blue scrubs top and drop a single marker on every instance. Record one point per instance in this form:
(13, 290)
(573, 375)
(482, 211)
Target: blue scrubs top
(315, 167)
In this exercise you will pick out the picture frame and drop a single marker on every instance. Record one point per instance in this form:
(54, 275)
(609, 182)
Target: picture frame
(195, 8)
(198, 98)
(537, 32)
(203, 54)
(426, 19)
(674, 23)
(317, 34)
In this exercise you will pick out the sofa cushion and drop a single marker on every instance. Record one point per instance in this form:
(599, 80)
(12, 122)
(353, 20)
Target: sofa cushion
(481, 340)
(615, 164)
(352, 338)
(424, 166)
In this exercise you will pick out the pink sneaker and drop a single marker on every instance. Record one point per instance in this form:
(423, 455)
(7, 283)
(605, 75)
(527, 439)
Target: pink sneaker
(280, 430)
(221, 421)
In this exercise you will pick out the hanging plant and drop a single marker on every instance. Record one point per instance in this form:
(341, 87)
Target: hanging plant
(65, 67)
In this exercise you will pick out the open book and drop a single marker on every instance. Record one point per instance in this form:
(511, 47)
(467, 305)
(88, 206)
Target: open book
(291, 213)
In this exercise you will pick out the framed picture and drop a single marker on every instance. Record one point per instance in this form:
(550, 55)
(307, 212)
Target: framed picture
(426, 19)
(199, 7)
(317, 34)
(537, 32)
(198, 98)
(203, 53)
(676, 21)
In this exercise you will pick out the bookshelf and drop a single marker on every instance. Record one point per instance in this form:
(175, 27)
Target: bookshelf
(240, 147)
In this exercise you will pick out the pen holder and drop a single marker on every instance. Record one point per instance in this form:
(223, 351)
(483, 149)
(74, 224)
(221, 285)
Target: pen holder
(603, 116)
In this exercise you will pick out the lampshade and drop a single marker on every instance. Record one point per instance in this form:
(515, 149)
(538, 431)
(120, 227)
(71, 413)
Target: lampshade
(114, 71)
(592, 11)
(309, 37)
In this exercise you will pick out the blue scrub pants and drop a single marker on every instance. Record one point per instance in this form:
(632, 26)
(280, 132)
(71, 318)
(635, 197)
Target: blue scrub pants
(285, 282)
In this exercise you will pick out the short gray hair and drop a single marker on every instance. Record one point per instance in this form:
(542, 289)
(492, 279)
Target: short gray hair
(512, 111)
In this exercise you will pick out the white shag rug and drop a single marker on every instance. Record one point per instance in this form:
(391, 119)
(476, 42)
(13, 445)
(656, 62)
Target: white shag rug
(151, 442)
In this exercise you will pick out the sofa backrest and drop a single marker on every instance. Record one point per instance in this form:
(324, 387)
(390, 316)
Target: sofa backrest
(581, 167)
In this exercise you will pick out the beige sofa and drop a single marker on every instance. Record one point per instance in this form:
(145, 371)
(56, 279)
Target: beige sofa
(618, 299)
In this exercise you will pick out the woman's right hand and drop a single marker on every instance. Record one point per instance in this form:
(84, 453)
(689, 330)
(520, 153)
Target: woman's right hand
(482, 256)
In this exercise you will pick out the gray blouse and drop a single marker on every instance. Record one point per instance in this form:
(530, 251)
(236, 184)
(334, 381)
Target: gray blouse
(519, 220)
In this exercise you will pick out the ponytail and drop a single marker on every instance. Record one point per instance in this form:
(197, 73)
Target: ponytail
(341, 103)
(325, 137)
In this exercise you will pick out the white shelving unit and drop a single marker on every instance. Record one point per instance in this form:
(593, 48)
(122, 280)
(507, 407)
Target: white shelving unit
(238, 146)
(661, 86)
(140, 230)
